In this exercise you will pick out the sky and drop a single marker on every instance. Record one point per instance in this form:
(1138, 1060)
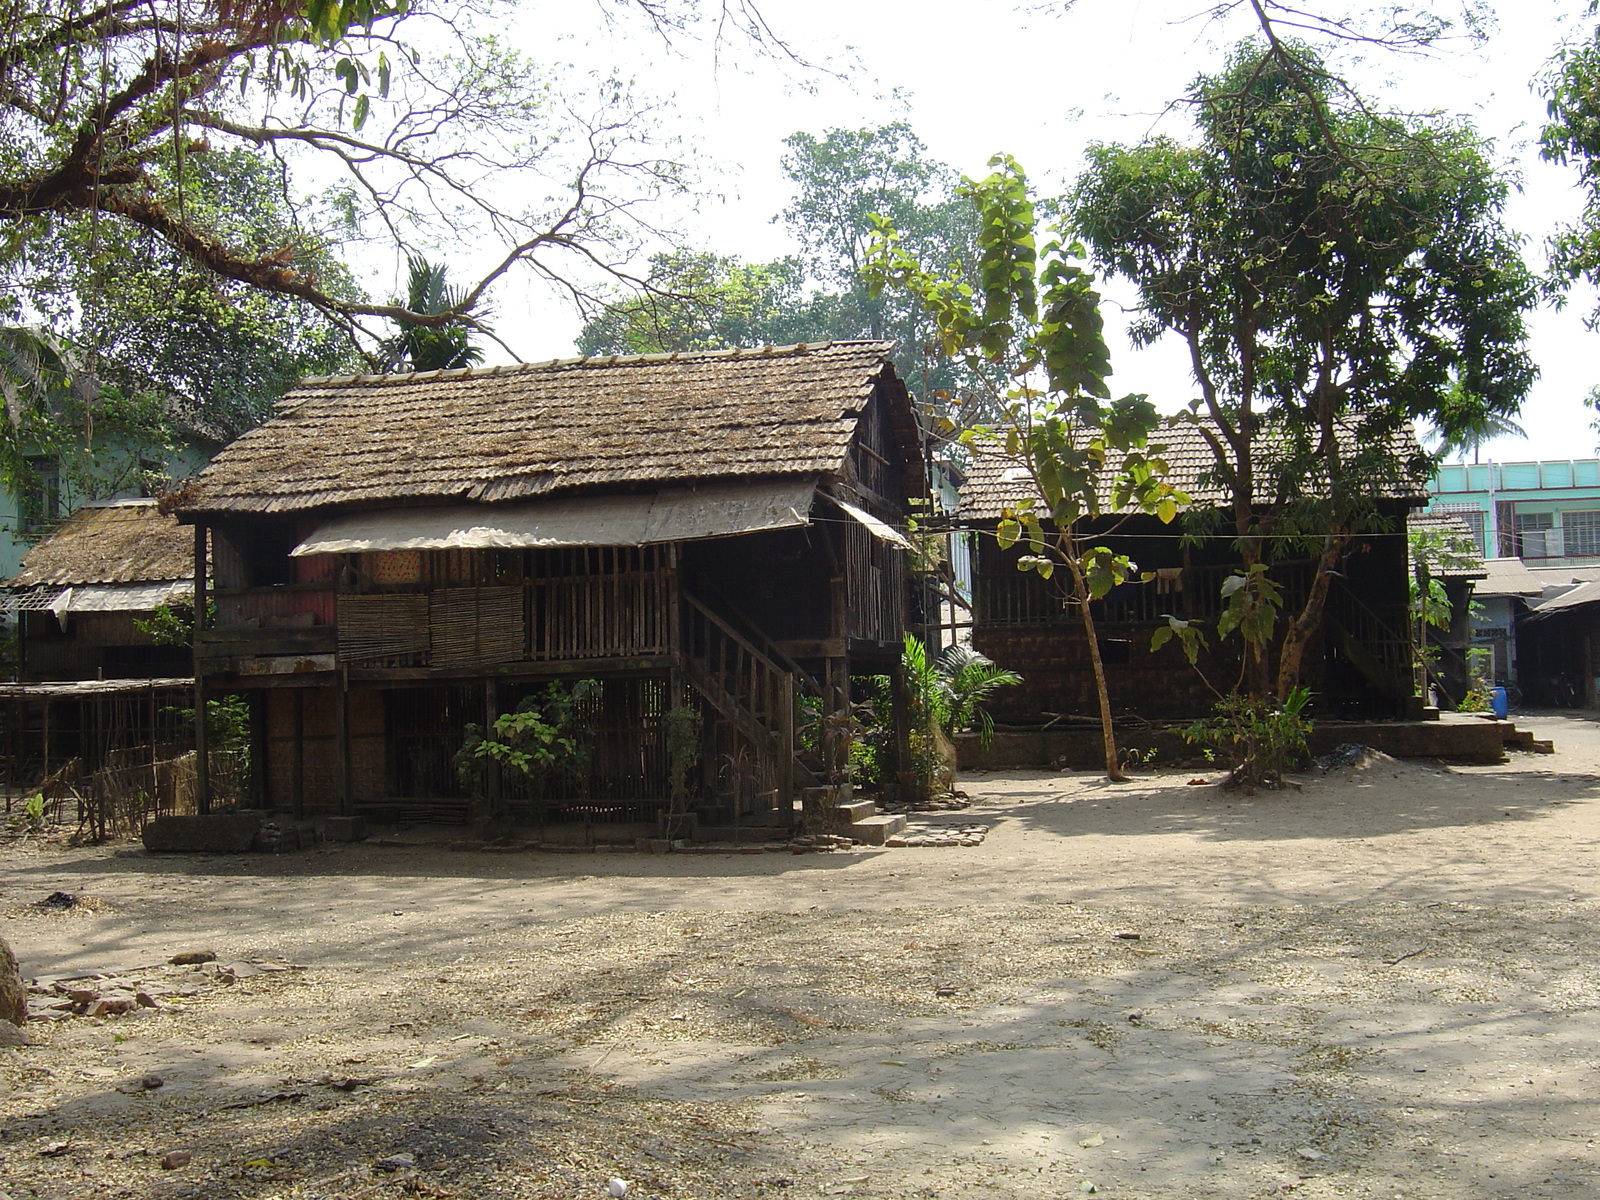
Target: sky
(1040, 83)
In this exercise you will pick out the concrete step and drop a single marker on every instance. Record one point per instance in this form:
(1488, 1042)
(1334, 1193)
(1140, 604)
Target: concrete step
(1523, 739)
(857, 810)
(876, 830)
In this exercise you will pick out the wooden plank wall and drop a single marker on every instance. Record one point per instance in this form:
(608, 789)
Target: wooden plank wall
(876, 586)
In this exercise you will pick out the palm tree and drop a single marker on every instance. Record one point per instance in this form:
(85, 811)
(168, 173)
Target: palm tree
(969, 678)
(948, 692)
(422, 347)
(1463, 424)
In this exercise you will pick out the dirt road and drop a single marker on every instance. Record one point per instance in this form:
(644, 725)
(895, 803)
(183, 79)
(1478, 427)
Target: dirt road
(1384, 984)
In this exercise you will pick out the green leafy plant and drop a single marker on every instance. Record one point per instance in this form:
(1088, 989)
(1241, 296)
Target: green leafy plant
(539, 740)
(33, 812)
(171, 624)
(1480, 679)
(1031, 333)
(1251, 605)
(1262, 737)
(949, 690)
(682, 728)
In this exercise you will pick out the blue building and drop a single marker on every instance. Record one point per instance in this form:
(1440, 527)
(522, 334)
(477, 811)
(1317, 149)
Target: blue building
(1538, 525)
(1545, 513)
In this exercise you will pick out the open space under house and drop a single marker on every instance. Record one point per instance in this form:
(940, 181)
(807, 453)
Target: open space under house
(397, 558)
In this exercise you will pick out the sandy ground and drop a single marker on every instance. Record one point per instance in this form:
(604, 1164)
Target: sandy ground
(1383, 985)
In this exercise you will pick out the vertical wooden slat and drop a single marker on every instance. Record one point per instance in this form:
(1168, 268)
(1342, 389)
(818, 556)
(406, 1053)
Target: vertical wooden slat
(202, 741)
(341, 734)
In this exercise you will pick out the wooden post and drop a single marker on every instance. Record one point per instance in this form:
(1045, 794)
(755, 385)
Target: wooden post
(786, 728)
(492, 781)
(297, 783)
(258, 749)
(202, 743)
(900, 709)
(341, 733)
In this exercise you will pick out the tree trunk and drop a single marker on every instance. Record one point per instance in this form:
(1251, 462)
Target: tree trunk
(1309, 620)
(1080, 589)
(1256, 672)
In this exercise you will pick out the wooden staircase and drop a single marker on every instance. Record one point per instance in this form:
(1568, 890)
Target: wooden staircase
(750, 691)
(1383, 656)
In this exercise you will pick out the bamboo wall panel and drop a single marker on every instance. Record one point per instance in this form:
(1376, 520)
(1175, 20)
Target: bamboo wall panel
(384, 629)
(876, 587)
(471, 626)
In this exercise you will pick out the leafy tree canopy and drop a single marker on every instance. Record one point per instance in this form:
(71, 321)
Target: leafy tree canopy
(696, 300)
(1334, 272)
(1572, 137)
(429, 125)
(842, 179)
(147, 321)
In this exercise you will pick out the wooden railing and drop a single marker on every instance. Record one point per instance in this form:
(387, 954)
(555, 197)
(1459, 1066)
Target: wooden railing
(274, 607)
(1383, 654)
(603, 616)
(1012, 597)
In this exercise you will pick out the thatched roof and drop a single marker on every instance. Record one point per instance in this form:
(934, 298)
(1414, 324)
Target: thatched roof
(123, 541)
(505, 433)
(995, 480)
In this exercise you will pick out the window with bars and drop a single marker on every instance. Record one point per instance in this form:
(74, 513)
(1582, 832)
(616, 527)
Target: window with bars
(1472, 518)
(1536, 536)
(1580, 533)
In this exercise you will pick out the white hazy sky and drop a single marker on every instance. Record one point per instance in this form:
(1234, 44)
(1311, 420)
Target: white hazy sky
(983, 76)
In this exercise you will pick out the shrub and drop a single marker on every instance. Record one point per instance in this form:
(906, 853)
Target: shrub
(1263, 738)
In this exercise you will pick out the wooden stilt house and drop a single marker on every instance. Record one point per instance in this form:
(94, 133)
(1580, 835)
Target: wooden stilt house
(92, 687)
(1362, 662)
(399, 558)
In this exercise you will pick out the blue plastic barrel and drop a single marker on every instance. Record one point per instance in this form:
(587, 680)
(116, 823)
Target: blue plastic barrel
(1497, 702)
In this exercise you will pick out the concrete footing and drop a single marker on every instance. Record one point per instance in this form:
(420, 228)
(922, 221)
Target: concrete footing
(1454, 738)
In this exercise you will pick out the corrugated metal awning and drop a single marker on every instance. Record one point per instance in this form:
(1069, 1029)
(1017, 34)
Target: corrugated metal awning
(881, 530)
(1584, 593)
(677, 515)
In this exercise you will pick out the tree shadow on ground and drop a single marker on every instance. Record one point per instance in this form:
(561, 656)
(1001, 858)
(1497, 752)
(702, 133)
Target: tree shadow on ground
(1376, 803)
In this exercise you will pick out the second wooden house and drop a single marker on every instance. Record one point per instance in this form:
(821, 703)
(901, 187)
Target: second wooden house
(1361, 665)
(400, 559)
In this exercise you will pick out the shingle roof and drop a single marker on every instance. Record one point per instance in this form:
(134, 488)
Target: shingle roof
(995, 480)
(1456, 557)
(503, 433)
(124, 541)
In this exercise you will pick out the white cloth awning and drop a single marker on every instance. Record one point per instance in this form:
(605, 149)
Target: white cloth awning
(120, 597)
(877, 528)
(678, 515)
